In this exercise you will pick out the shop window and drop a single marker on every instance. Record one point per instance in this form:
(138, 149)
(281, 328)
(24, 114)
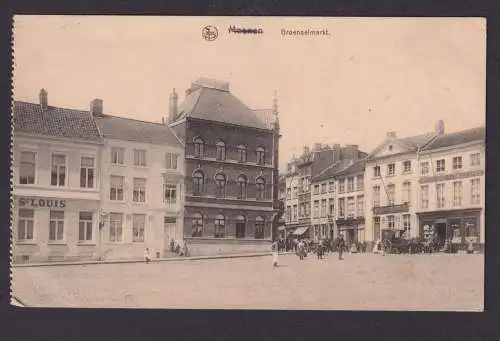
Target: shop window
(85, 227)
(116, 227)
(27, 168)
(56, 226)
(117, 155)
(197, 225)
(138, 227)
(240, 226)
(220, 226)
(58, 170)
(139, 158)
(87, 172)
(259, 228)
(25, 225)
(472, 228)
(139, 194)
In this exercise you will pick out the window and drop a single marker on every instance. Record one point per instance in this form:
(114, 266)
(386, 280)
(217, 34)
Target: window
(323, 208)
(116, 191)
(240, 226)
(117, 155)
(457, 193)
(407, 166)
(261, 157)
(457, 162)
(220, 227)
(288, 193)
(323, 188)
(220, 185)
(350, 184)
(440, 195)
(331, 186)
(25, 225)
(391, 169)
(220, 151)
(391, 194)
(242, 187)
(341, 207)
(138, 227)
(360, 208)
(58, 172)
(475, 191)
(376, 228)
(87, 172)
(197, 225)
(289, 213)
(242, 154)
(424, 192)
(376, 196)
(471, 227)
(199, 148)
(316, 190)
(198, 181)
(171, 160)
(316, 209)
(85, 227)
(331, 206)
(359, 183)
(169, 193)
(475, 159)
(259, 228)
(294, 213)
(27, 167)
(406, 222)
(407, 192)
(424, 168)
(139, 194)
(350, 207)
(390, 222)
(115, 227)
(140, 157)
(376, 171)
(294, 193)
(341, 185)
(261, 185)
(440, 165)
(56, 227)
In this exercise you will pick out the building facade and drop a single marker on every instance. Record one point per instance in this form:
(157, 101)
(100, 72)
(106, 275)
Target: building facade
(231, 154)
(56, 183)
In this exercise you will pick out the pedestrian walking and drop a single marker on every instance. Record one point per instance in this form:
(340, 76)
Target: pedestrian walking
(274, 248)
(147, 256)
(186, 250)
(340, 245)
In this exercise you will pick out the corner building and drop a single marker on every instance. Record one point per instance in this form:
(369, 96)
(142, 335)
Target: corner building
(231, 160)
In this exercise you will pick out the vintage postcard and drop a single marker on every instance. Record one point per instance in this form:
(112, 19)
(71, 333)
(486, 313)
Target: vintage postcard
(249, 163)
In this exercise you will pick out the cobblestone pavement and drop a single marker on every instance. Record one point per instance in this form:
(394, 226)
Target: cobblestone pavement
(360, 281)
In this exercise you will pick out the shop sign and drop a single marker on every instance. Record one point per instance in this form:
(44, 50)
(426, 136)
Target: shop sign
(42, 202)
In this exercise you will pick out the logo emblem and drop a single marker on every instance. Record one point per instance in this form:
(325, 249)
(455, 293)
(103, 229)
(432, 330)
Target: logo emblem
(210, 33)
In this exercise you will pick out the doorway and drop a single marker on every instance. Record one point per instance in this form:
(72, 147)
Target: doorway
(240, 230)
(169, 224)
(440, 229)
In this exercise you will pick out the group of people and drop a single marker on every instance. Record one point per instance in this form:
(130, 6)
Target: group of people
(176, 247)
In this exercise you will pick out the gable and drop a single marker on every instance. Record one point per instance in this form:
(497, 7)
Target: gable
(389, 147)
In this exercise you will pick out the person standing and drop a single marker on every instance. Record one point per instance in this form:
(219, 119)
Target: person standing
(340, 245)
(274, 248)
(147, 256)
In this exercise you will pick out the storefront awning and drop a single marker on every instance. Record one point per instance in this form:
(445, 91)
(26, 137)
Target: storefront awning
(300, 231)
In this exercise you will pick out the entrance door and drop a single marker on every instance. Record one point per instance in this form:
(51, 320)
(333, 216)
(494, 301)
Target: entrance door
(169, 224)
(350, 236)
(240, 230)
(441, 231)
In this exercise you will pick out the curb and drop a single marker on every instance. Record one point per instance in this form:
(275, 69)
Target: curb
(157, 260)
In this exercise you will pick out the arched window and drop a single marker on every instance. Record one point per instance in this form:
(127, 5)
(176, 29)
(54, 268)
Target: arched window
(199, 147)
(219, 226)
(240, 226)
(220, 185)
(261, 188)
(198, 183)
(242, 187)
(259, 228)
(261, 156)
(197, 227)
(220, 151)
(242, 153)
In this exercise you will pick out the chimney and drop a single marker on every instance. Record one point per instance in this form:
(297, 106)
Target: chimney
(172, 113)
(336, 152)
(440, 127)
(352, 151)
(391, 134)
(317, 146)
(96, 107)
(306, 150)
(43, 99)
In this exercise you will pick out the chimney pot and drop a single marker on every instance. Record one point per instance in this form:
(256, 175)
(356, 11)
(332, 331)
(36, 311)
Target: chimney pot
(173, 106)
(43, 97)
(391, 134)
(440, 127)
(96, 107)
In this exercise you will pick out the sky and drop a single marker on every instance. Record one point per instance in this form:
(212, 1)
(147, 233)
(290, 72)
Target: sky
(367, 77)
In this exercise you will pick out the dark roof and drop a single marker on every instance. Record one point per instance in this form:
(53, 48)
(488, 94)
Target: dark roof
(30, 118)
(413, 142)
(457, 138)
(120, 128)
(332, 170)
(214, 104)
(356, 167)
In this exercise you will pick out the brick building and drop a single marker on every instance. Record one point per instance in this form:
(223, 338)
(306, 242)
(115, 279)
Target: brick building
(231, 162)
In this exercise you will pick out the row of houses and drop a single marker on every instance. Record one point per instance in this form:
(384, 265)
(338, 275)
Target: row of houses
(416, 186)
(88, 185)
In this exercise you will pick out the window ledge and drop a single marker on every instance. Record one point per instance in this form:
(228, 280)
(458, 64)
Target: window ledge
(30, 242)
(53, 242)
(86, 244)
(118, 164)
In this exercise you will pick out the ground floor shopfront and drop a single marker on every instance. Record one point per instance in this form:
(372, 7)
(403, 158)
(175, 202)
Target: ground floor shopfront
(353, 230)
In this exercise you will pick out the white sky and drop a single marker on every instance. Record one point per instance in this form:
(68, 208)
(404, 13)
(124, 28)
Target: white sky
(368, 77)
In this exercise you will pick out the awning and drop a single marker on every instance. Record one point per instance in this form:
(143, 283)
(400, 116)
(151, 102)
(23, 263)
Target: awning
(300, 231)
(281, 228)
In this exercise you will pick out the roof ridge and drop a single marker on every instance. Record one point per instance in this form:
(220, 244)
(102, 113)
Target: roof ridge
(53, 106)
(133, 119)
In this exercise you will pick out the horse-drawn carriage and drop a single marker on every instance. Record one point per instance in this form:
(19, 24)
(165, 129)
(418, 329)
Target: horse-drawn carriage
(393, 242)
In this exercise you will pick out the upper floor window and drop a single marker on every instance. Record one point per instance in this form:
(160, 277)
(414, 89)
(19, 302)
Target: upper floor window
(475, 191)
(376, 196)
(138, 227)
(331, 186)
(117, 155)
(242, 153)
(199, 147)
(288, 193)
(242, 187)
(391, 194)
(261, 157)
(440, 195)
(220, 151)
(424, 168)
(25, 225)
(56, 226)
(350, 184)
(341, 185)
(341, 207)
(391, 169)
(407, 192)
(294, 192)
(407, 166)
(197, 225)
(360, 206)
(316, 189)
(171, 160)
(198, 180)
(27, 168)
(87, 172)
(457, 162)
(440, 165)
(475, 159)
(350, 207)
(424, 196)
(140, 157)
(376, 171)
(58, 172)
(261, 191)
(169, 193)
(116, 227)
(220, 185)
(323, 188)
(360, 182)
(139, 194)
(116, 190)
